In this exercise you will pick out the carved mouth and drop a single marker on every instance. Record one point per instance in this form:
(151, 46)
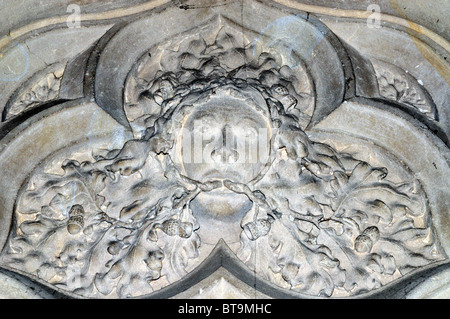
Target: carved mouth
(221, 175)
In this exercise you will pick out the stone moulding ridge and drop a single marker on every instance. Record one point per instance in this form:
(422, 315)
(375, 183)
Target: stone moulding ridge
(124, 12)
(360, 14)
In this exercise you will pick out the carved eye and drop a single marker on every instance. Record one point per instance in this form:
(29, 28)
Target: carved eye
(250, 131)
(245, 128)
(204, 129)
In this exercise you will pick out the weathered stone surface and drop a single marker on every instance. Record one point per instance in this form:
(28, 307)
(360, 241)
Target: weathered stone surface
(252, 149)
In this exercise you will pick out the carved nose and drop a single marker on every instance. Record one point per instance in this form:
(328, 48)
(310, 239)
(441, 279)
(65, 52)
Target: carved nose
(225, 152)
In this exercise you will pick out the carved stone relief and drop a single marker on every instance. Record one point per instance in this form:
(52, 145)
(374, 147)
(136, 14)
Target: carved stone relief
(255, 145)
(46, 89)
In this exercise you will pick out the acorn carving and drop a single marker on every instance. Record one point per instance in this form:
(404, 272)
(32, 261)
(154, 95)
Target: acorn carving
(256, 229)
(76, 219)
(364, 242)
(174, 227)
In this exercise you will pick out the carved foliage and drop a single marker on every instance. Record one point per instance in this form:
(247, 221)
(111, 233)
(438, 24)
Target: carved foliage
(358, 233)
(44, 89)
(397, 85)
(321, 222)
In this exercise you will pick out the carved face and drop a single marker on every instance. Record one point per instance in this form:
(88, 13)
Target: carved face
(225, 138)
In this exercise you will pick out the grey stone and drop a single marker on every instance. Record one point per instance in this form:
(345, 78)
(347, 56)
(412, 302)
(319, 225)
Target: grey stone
(254, 149)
